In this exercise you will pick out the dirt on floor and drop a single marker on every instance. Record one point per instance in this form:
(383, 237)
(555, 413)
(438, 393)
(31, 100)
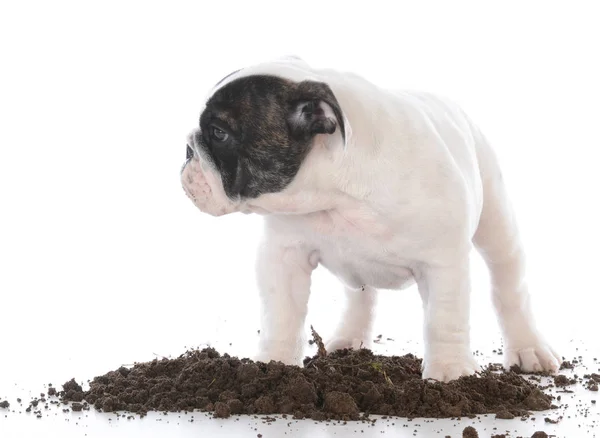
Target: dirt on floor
(340, 385)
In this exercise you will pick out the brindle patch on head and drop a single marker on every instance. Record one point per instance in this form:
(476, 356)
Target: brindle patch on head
(258, 129)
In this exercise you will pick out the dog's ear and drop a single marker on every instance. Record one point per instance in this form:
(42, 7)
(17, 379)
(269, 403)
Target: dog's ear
(313, 109)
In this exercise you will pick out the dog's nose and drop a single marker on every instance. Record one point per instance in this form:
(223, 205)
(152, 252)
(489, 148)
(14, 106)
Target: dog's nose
(189, 153)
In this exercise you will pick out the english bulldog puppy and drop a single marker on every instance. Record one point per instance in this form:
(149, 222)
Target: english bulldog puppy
(384, 188)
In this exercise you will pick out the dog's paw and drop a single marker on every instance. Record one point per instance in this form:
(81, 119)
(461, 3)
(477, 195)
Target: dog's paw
(285, 358)
(341, 342)
(450, 369)
(533, 358)
(288, 352)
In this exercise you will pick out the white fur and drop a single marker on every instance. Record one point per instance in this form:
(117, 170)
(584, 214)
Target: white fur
(202, 185)
(416, 186)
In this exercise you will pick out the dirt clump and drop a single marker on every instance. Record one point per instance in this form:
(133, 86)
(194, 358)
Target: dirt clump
(340, 403)
(539, 434)
(72, 391)
(4, 404)
(339, 386)
(222, 410)
(504, 415)
(562, 380)
(470, 432)
(592, 382)
(537, 400)
(593, 376)
(566, 365)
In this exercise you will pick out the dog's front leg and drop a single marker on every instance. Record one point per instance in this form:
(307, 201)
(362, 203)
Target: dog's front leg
(284, 276)
(445, 292)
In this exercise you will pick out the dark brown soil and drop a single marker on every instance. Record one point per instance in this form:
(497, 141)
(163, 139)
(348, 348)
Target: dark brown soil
(562, 380)
(504, 415)
(540, 434)
(336, 386)
(566, 365)
(592, 382)
(470, 432)
(72, 391)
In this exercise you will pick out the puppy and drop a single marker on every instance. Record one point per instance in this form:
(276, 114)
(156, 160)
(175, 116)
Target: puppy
(383, 188)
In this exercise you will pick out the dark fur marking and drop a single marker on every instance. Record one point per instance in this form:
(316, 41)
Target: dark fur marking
(271, 123)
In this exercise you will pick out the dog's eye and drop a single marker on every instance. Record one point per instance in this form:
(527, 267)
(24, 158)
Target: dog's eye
(219, 134)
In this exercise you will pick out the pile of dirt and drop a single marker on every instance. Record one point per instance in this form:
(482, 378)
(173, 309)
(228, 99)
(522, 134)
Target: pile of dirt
(339, 386)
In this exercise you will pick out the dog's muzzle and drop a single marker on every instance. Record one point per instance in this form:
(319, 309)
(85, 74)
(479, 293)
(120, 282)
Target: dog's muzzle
(202, 183)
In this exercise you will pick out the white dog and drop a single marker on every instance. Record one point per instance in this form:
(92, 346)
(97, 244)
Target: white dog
(383, 188)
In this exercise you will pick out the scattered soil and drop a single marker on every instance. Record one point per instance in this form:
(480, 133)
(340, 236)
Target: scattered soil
(4, 404)
(339, 385)
(592, 382)
(566, 365)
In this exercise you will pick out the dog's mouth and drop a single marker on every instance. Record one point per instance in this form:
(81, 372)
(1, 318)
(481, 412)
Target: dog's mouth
(202, 184)
(185, 165)
(190, 154)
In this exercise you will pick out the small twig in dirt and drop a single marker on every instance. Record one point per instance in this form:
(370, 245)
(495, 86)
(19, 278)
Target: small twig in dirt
(321, 352)
(379, 368)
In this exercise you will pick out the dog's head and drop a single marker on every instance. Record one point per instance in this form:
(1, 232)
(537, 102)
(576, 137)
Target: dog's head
(253, 136)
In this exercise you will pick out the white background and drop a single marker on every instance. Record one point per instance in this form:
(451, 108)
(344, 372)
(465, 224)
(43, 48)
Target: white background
(103, 259)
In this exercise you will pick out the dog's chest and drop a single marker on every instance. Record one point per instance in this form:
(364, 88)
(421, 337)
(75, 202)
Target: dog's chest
(359, 247)
(363, 267)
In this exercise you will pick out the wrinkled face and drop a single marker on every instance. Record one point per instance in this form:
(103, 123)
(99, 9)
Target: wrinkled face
(253, 136)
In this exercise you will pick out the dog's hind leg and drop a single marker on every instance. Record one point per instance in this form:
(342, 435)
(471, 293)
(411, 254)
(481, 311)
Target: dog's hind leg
(356, 325)
(497, 240)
